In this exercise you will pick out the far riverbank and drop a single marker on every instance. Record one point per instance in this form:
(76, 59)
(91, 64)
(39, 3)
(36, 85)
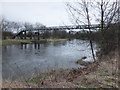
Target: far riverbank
(26, 41)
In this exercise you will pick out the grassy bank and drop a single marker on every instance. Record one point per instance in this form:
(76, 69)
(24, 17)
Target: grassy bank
(13, 41)
(102, 74)
(53, 40)
(17, 41)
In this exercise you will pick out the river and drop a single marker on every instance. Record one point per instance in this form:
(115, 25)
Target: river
(29, 59)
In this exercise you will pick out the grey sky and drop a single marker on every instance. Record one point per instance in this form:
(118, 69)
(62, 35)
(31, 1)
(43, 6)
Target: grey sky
(47, 13)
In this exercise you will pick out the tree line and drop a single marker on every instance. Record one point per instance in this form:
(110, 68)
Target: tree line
(11, 28)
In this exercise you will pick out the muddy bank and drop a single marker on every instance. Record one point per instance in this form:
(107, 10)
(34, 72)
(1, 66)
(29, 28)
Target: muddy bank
(83, 61)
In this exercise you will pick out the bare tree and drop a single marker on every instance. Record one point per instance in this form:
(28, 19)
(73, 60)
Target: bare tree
(28, 26)
(84, 8)
(17, 26)
(106, 11)
(39, 26)
(4, 24)
(87, 13)
(5, 27)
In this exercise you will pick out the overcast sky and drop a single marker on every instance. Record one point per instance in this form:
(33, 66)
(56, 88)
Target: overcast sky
(47, 13)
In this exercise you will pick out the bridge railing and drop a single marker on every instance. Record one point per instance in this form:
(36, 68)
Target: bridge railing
(59, 28)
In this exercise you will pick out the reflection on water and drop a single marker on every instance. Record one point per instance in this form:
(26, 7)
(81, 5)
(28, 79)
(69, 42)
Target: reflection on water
(36, 58)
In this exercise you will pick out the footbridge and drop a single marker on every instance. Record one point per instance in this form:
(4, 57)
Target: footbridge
(23, 32)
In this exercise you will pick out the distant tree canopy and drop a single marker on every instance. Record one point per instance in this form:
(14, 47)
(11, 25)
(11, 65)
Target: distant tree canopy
(9, 28)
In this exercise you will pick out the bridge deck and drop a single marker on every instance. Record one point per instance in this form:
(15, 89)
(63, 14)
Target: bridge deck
(67, 27)
(60, 28)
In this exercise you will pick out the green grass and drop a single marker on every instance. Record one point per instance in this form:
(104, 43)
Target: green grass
(103, 73)
(53, 40)
(105, 86)
(33, 80)
(88, 85)
(108, 80)
(0, 42)
(13, 41)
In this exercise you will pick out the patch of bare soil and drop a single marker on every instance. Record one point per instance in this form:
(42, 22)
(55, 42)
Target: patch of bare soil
(102, 74)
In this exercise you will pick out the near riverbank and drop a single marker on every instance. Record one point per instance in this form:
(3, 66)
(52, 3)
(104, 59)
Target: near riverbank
(102, 74)
(27, 41)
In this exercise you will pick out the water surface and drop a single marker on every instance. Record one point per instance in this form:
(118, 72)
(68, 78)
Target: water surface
(29, 59)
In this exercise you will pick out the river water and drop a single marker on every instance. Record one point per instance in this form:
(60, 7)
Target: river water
(29, 59)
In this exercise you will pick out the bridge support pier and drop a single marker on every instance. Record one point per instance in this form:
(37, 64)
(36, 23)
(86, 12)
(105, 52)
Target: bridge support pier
(21, 35)
(31, 35)
(25, 35)
(38, 35)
